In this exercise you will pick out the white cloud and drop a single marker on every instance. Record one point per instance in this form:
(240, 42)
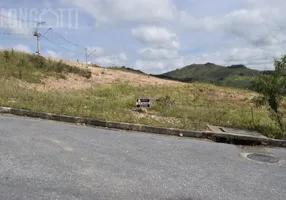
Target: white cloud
(98, 56)
(110, 60)
(105, 61)
(257, 26)
(153, 54)
(52, 54)
(246, 32)
(189, 22)
(156, 37)
(159, 43)
(259, 23)
(173, 34)
(252, 34)
(95, 51)
(18, 47)
(120, 11)
(251, 55)
(163, 65)
(149, 66)
(256, 58)
(22, 48)
(60, 54)
(122, 56)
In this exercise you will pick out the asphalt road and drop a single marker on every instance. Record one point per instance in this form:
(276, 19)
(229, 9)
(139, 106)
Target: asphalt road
(50, 160)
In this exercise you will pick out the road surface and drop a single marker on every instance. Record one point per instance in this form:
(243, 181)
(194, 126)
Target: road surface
(51, 160)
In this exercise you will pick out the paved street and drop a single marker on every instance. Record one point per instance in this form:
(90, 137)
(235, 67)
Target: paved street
(51, 160)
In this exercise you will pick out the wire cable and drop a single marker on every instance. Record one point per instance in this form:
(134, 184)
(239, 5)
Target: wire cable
(58, 35)
(59, 45)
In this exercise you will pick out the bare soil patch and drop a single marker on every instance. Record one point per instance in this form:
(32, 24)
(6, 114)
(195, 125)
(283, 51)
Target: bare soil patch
(100, 76)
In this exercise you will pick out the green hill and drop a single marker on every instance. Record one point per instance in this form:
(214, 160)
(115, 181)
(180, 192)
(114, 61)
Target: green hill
(235, 75)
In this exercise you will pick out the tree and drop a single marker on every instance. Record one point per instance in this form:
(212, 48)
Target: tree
(271, 88)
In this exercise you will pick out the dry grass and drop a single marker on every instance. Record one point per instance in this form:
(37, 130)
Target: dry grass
(100, 76)
(110, 95)
(116, 102)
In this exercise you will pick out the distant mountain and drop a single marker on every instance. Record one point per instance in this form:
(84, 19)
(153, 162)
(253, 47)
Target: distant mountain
(234, 75)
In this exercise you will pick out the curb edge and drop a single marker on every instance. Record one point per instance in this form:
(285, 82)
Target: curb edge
(144, 128)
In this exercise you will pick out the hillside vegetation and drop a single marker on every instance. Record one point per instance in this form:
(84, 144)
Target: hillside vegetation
(110, 94)
(234, 76)
(33, 68)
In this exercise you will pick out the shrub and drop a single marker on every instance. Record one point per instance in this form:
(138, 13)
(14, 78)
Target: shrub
(271, 88)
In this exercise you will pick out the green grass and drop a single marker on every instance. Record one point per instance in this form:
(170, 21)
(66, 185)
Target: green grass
(190, 106)
(117, 103)
(33, 68)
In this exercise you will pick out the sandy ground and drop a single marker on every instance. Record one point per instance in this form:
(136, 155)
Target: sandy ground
(105, 76)
(100, 76)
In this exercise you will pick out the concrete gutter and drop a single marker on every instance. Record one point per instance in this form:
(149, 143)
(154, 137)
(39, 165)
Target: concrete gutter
(216, 136)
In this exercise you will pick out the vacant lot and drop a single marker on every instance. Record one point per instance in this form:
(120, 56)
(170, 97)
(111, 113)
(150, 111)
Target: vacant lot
(110, 95)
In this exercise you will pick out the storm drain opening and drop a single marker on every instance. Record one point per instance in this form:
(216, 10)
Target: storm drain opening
(263, 158)
(235, 141)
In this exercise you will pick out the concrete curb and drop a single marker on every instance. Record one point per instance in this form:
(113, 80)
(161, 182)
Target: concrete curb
(228, 137)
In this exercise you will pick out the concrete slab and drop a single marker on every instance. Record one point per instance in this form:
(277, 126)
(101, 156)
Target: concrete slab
(220, 129)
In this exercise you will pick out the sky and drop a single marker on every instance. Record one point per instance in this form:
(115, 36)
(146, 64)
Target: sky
(154, 36)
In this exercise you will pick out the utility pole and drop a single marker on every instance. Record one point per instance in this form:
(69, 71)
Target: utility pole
(87, 55)
(38, 35)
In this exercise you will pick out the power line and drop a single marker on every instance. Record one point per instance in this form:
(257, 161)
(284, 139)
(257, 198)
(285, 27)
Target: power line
(57, 44)
(9, 33)
(58, 35)
(37, 34)
(85, 48)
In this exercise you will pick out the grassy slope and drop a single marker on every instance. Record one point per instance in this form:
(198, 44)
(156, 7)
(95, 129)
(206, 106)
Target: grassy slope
(195, 105)
(211, 73)
(33, 68)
